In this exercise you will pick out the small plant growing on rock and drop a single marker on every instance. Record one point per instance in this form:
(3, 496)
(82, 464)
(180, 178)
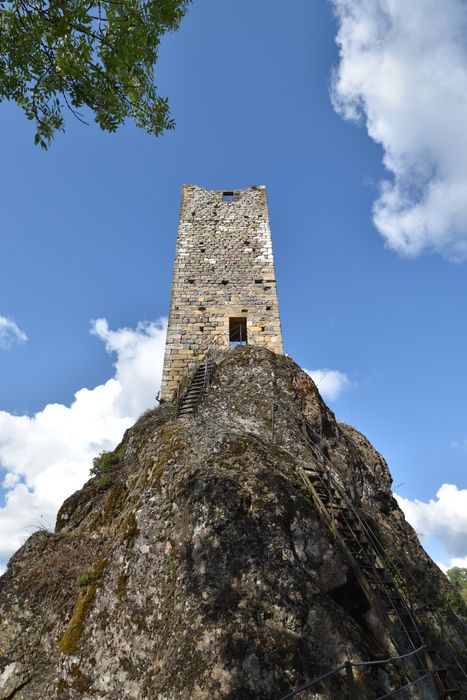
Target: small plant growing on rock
(85, 580)
(103, 466)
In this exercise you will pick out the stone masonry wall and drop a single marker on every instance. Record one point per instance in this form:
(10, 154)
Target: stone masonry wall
(224, 268)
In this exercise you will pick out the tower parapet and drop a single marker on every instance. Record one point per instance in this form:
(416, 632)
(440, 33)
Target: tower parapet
(224, 283)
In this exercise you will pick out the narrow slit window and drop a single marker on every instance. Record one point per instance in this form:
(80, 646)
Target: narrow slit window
(228, 196)
(237, 331)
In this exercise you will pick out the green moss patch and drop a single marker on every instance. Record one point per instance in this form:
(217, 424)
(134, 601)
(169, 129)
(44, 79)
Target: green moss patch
(130, 527)
(122, 585)
(69, 643)
(81, 682)
(170, 443)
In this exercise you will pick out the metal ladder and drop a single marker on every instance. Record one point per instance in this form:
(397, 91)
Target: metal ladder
(361, 547)
(192, 396)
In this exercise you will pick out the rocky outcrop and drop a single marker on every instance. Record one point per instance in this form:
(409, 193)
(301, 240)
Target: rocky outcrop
(196, 564)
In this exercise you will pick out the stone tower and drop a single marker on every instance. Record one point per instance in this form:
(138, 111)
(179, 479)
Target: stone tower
(224, 284)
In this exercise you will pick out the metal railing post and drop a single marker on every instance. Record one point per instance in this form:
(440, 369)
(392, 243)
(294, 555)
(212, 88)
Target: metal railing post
(352, 688)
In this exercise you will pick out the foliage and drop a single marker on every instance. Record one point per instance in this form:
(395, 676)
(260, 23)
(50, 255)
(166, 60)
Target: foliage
(97, 54)
(104, 463)
(458, 577)
(84, 580)
(103, 467)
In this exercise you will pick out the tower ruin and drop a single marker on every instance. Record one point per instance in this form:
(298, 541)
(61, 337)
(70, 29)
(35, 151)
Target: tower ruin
(224, 284)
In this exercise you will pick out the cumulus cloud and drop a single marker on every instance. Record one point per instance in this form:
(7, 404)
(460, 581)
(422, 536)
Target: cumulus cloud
(459, 561)
(403, 73)
(10, 333)
(444, 517)
(47, 456)
(330, 382)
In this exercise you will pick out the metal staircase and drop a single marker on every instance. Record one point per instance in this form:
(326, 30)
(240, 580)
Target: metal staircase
(367, 559)
(187, 404)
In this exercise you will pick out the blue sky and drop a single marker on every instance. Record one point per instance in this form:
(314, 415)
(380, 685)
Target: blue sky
(88, 232)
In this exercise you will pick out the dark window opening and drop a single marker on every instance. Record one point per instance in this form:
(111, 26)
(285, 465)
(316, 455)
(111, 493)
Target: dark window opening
(228, 196)
(263, 328)
(237, 331)
(201, 308)
(224, 282)
(203, 250)
(201, 329)
(244, 311)
(258, 281)
(266, 288)
(268, 308)
(247, 242)
(191, 281)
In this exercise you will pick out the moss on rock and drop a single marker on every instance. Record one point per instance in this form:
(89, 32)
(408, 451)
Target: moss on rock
(69, 643)
(204, 570)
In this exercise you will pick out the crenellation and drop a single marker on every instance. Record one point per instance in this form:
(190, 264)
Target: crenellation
(223, 279)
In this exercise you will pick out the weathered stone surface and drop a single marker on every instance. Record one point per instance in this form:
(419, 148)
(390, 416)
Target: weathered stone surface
(224, 268)
(203, 570)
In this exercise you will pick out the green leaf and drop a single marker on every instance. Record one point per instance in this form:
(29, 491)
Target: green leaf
(86, 57)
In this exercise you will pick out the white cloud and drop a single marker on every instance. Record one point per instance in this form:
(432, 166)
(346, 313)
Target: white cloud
(47, 456)
(459, 561)
(444, 518)
(10, 333)
(403, 72)
(330, 382)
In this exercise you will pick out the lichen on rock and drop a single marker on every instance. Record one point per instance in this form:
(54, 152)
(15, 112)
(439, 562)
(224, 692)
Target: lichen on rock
(204, 569)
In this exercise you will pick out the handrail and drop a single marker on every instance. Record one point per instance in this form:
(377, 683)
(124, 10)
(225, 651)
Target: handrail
(404, 687)
(389, 659)
(316, 451)
(313, 682)
(319, 457)
(355, 664)
(214, 344)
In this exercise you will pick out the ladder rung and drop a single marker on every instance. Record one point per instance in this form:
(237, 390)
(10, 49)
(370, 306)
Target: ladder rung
(450, 691)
